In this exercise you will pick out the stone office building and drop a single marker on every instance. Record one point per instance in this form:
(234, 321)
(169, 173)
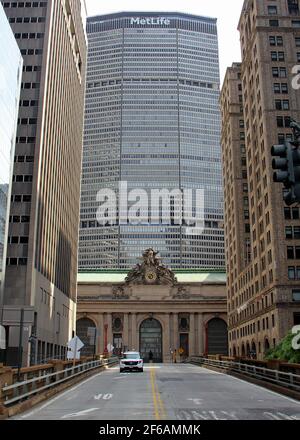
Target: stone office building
(153, 309)
(261, 232)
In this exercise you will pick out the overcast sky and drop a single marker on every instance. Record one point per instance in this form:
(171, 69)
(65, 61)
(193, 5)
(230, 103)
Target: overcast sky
(227, 13)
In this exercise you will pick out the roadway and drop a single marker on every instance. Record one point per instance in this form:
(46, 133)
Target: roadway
(165, 392)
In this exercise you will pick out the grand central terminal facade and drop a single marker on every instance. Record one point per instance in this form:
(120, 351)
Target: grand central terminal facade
(153, 309)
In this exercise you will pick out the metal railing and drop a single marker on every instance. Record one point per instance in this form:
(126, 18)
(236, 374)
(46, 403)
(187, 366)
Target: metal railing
(283, 379)
(23, 390)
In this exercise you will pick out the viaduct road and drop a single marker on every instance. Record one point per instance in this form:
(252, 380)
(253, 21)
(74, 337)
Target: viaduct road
(165, 392)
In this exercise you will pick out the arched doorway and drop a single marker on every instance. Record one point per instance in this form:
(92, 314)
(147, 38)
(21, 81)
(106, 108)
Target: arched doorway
(243, 351)
(253, 351)
(151, 340)
(267, 345)
(217, 337)
(85, 334)
(248, 350)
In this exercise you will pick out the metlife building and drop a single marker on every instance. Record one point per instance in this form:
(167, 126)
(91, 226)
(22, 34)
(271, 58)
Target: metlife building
(152, 125)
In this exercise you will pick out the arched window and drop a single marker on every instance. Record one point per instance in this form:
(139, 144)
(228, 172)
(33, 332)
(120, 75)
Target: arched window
(85, 332)
(217, 337)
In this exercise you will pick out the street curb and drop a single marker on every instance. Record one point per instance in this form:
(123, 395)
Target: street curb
(34, 401)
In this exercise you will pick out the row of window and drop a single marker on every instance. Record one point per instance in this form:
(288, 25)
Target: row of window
(293, 253)
(25, 198)
(292, 233)
(16, 261)
(22, 159)
(18, 240)
(31, 35)
(27, 121)
(25, 4)
(19, 219)
(294, 273)
(32, 68)
(22, 178)
(291, 214)
(275, 23)
(25, 52)
(27, 19)
(25, 140)
(30, 85)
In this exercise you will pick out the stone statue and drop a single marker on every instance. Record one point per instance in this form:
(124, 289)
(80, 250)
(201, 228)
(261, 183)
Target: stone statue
(151, 271)
(182, 293)
(119, 293)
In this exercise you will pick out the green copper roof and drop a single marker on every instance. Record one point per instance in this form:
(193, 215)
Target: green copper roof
(182, 277)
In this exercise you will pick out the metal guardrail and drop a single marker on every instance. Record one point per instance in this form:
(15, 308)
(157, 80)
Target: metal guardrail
(23, 390)
(286, 380)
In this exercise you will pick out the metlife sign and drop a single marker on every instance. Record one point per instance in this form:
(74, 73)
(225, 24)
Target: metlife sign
(156, 21)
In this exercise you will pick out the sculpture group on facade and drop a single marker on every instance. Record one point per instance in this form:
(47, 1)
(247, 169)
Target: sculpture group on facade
(151, 271)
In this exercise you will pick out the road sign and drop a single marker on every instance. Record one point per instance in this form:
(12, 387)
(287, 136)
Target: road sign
(110, 348)
(12, 316)
(2, 338)
(74, 347)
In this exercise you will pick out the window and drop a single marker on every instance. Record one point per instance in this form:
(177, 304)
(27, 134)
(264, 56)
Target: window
(292, 273)
(290, 253)
(295, 213)
(287, 214)
(296, 295)
(297, 233)
(272, 10)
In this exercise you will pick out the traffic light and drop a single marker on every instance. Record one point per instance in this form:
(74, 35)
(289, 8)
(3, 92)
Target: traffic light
(286, 163)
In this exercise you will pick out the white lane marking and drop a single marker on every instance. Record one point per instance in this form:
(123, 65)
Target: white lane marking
(215, 416)
(265, 389)
(72, 397)
(59, 397)
(232, 415)
(207, 415)
(103, 396)
(79, 414)
(280, 416)
(196, 401)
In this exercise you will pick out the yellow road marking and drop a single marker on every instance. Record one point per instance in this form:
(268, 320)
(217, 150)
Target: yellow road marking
(159, 408)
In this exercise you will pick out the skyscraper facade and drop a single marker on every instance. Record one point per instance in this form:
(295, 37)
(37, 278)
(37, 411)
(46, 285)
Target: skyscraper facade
(10, 85)
(41, 272)
(152, 120)
(263, 293)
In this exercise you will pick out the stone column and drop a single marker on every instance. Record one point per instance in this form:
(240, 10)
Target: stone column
(100, 342)
(126, 331)
(171, 332)
(166, 338)
(134, 341)
(109, 329)
(175, 332)
(192, 335)
(201, 334)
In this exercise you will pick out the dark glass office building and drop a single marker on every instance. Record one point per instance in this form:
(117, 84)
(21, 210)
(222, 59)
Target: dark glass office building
(152, 120)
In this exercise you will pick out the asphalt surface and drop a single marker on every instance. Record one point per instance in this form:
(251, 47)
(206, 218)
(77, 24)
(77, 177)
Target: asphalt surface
(165, 392)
